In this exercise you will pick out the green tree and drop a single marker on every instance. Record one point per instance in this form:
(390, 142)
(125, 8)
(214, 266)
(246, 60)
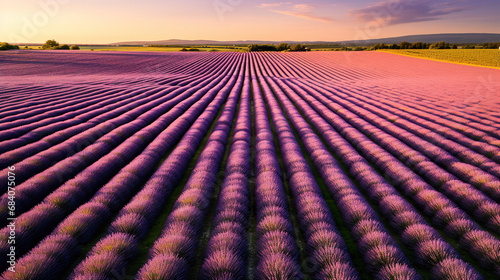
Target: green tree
(417, 45)
(404, 45)
(7, 46)
(441, 45)
(283, 47)
(75, 47)
(491, 45)
(50, 45)
(261, 48)
(380, 46)
(299, 48)
(63, 47)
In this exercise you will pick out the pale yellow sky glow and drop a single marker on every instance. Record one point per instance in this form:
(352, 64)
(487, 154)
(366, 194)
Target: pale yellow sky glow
(93, 21)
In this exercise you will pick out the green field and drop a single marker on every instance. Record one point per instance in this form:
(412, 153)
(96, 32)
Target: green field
(486, 58)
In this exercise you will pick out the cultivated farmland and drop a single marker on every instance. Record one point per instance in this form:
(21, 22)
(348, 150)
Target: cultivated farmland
(481, 57)
(319, 165)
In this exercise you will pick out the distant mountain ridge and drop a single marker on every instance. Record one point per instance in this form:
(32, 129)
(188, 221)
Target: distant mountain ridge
(192, 42)
(459, 38)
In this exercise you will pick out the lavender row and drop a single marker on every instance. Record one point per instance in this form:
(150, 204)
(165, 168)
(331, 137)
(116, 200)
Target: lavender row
(433, 131)
(226, 250)
(39, 95)
(431, 251)
(398, 96)
(67, 197)
(21, 93)
(71, 107)
(434, 204)
(464, 153)
(135, 219)
(36, 188)
(23, 152)
(327, 253)
(67, 168)
(139, 214)
(429, 170)
(465, 171)
(180, 235)
(34, 164)
(277, 256)
(430, 113)
(88, 181)
(199, 65)
(82, 117)
(61, 95)
(451, 121)
(78, 224)
(62, 112)
(34, 224)
(384, 260)
(369, 95)
(84, 121)
(484, 127)
(174, 94)
(478, 117)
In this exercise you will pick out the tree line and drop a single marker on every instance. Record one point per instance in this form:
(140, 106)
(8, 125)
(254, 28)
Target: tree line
(284, 47)
(281, 47)
(440, 45)
(53, 45)
(48, 45)
(7, 46)
(483, 46)
(417, 45)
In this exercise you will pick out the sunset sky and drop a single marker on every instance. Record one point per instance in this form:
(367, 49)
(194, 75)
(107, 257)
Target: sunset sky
(109, 21)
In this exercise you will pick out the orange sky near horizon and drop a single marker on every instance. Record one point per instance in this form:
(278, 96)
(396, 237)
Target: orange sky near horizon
(98, 22)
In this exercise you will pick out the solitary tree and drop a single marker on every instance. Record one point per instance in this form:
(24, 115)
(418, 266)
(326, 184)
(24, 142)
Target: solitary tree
(50, 45)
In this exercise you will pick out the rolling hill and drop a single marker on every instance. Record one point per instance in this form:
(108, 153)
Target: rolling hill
(473, 38)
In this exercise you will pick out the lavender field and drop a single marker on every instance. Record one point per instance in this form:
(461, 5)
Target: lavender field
(317, 165)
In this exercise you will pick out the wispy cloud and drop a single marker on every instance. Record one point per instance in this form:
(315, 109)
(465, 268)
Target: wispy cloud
(303, 11)
(271, 5)
(303, 7)
(304, 15)
(407, 11)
